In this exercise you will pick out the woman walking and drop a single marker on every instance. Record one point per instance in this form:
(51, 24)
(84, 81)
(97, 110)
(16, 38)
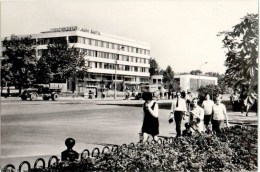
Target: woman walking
(150, 120)
(219, 115)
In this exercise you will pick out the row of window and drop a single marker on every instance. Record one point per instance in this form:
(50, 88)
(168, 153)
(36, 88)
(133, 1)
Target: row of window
(99, 43)
(93, 42)
(101, 65)
(108, 56)
(116, 56)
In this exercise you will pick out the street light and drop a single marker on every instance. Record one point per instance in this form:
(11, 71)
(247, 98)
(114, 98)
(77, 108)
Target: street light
(121, 48)
(200, 70)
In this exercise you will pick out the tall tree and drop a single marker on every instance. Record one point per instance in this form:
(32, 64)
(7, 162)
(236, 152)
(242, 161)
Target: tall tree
(168, 78)
(19, 61)
(60, 62)
(242, 53)
(154, 67)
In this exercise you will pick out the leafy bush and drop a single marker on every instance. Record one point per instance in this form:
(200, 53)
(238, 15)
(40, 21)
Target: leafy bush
(234, 150)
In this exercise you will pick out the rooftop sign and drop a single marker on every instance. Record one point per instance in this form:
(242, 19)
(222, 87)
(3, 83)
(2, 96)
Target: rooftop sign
(74, 28)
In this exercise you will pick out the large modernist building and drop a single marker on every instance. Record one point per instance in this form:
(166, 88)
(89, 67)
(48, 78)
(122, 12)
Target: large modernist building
(103, 53)
(193, 82)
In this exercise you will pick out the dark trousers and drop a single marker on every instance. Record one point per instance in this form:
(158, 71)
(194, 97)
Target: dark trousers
(216, 126)
(178, 115)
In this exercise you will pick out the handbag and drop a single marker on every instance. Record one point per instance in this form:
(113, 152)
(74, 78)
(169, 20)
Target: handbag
(171, 117)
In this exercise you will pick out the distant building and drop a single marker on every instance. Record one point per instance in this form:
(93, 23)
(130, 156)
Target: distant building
(103, 51)
(156, 80)
(193, 82)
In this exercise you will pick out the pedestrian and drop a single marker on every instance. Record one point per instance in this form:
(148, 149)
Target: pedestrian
(188, 100)
(150, 121)
(235, 101)
(196, 116)
(207, 105)
(178, 109)
(219, 115)
(169, 95)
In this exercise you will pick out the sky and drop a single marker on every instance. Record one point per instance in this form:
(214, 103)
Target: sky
(181, 33)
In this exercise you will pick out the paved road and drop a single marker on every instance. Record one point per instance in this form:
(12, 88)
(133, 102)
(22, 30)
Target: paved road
(39, 129)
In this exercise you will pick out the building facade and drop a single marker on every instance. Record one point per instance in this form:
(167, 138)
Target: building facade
(193, 82)
(108, 57)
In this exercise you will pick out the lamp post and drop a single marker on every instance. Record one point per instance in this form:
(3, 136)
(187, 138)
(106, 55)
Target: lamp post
(121, 48)
(200, 70)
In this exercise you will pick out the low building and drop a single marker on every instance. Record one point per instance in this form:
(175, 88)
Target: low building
(193, 82)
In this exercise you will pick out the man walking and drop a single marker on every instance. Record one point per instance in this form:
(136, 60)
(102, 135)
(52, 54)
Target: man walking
(179, 109)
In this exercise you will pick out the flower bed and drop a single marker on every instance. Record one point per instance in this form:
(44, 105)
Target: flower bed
(234, 150)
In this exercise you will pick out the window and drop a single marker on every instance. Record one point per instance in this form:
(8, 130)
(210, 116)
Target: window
(40, 41)
(134, 49)
(131, 59)
(148, 52)
(92, 42)
(105, 65)
(154, 81)
(96, 64)
(105, 44)
(100, 65)
(87, 41)
(127, 58)
(137, 50)
(73, 39)
(96, 42)
(81, 40)
(96, 53)
(112, 45)
(159, 81)
(136, 69)
(142, 69)
(116, 46)
(127, 68)
(144, 61)
(136, 60)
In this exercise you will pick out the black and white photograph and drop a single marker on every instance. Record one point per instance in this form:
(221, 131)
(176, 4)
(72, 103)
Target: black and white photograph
(129, 85)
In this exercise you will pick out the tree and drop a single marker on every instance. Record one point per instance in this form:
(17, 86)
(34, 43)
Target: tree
(168, 78)
(154, 67)
(19, 62)
(213, 74)
(212, 90)
(242, 54)
(60, 62)
(196, 72)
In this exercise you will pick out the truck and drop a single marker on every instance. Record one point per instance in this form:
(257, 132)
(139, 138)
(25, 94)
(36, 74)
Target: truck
(41, 90)
(154, 89)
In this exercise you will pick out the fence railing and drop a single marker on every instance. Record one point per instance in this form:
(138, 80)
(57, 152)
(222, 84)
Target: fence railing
(95, 153)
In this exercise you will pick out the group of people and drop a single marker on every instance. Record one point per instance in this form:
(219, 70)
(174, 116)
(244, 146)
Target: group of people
(243, 101)
(199, 116)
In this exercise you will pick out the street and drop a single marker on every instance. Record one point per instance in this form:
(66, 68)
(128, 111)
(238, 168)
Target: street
(39, 128)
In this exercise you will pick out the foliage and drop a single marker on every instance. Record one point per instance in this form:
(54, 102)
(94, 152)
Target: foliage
(19, 62)
(242, 53)
(60, 62)
(168, 78)
(196, 72)
(212, 90)
(154, 67)
(233, 150)
(213, 74)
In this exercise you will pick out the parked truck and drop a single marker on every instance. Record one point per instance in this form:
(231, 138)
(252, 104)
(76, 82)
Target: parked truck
(41, 90)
